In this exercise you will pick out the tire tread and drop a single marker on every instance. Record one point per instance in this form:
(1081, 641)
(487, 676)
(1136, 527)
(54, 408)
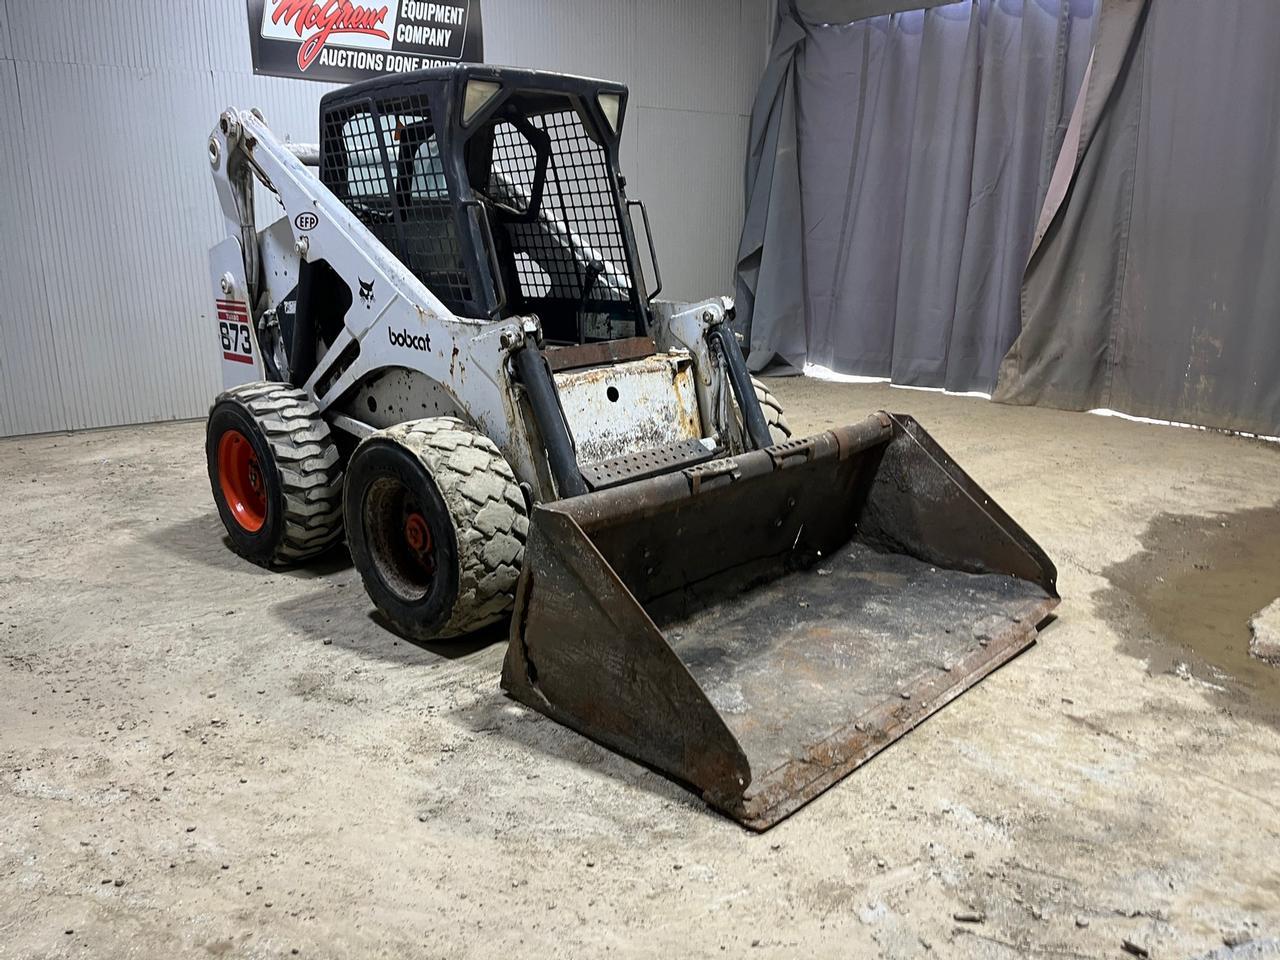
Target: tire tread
(771, 407)
(307, 462)
(487, 510)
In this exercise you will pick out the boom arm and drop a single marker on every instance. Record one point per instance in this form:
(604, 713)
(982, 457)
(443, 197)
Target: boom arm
(402, 323)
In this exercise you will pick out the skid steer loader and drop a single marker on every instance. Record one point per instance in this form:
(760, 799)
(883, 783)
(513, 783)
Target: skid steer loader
(447, 350)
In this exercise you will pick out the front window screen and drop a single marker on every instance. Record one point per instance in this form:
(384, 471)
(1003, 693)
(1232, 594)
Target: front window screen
(564, 245)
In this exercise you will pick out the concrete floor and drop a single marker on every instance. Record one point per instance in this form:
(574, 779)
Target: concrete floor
(201, 757)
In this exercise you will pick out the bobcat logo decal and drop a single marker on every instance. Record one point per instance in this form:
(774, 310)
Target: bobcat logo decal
(403, 338)
(366, 290)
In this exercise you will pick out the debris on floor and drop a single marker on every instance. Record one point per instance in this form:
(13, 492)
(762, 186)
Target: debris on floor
(1264, 627)
(1090, 783)
(1267, 949)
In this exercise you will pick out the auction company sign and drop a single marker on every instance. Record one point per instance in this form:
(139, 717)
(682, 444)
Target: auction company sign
(344, 41)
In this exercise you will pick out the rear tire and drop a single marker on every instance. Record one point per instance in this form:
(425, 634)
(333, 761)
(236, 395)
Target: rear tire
(436, 523)
(275, 472)
(770, 406)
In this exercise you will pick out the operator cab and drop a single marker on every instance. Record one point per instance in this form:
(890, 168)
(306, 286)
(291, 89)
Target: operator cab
(499, 189)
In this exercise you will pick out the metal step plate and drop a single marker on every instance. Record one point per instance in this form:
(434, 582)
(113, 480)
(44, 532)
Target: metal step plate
(645, 463)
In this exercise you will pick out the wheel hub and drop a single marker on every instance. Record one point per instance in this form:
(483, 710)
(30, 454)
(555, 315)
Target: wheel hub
(401, 544)
(241, 480)
(417, 533)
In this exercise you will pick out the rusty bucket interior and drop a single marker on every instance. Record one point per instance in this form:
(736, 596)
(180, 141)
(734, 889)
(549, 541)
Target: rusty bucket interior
(759, 626)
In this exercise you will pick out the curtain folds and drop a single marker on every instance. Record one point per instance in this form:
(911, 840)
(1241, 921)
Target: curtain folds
(979, 195)
(770, 251)
(897, 166)
(1155, 290)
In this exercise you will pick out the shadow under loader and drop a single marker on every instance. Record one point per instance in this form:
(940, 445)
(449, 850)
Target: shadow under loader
(759, 626)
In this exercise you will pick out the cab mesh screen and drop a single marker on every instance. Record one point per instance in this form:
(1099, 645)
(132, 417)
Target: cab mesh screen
(572, 252)
(381, 159)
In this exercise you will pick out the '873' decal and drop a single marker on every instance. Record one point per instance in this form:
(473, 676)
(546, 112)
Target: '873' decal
(233, 323)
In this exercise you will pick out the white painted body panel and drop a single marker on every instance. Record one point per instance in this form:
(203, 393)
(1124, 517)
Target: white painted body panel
(232, 328)
(418, 359)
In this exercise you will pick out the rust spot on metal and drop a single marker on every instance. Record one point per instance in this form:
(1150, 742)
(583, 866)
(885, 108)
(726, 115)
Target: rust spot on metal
(596, 354)
(629, 407)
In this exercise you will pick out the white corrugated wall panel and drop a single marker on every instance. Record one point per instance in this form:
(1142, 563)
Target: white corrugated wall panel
(122, 223)
(107, 313)
(592, 38)
(688, 60)
(30, 381)
(226, 36)
(695, 196)
(145, 34)
(692, 68)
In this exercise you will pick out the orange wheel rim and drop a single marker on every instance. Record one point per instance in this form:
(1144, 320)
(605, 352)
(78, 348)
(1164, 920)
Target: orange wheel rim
(240, 477)
(417, 534)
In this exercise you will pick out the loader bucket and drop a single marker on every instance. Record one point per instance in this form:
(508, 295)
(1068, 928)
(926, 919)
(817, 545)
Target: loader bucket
(759, 626)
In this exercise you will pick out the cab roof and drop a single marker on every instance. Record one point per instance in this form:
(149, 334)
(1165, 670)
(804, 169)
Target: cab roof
(457, 74)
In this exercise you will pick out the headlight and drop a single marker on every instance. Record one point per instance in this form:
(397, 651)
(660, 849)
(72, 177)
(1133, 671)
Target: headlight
(611, 104)
(478, 94)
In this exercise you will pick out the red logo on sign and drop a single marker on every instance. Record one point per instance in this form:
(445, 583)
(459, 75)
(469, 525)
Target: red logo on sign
(328, 18)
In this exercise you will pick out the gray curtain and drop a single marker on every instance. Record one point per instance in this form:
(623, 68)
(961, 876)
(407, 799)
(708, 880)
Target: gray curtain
(896, 168)
(770, 258)
(1155, 288)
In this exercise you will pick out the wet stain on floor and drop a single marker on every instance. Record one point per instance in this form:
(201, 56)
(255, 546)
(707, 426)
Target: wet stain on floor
(1187, 596)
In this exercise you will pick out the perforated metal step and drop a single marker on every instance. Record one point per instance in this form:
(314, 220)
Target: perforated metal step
(645, 463)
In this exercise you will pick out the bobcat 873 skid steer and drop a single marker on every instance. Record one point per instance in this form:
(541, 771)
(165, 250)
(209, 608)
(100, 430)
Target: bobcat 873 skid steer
(447, 350)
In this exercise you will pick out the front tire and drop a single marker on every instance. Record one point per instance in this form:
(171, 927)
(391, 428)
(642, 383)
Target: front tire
(436, 523)
(275, 472)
